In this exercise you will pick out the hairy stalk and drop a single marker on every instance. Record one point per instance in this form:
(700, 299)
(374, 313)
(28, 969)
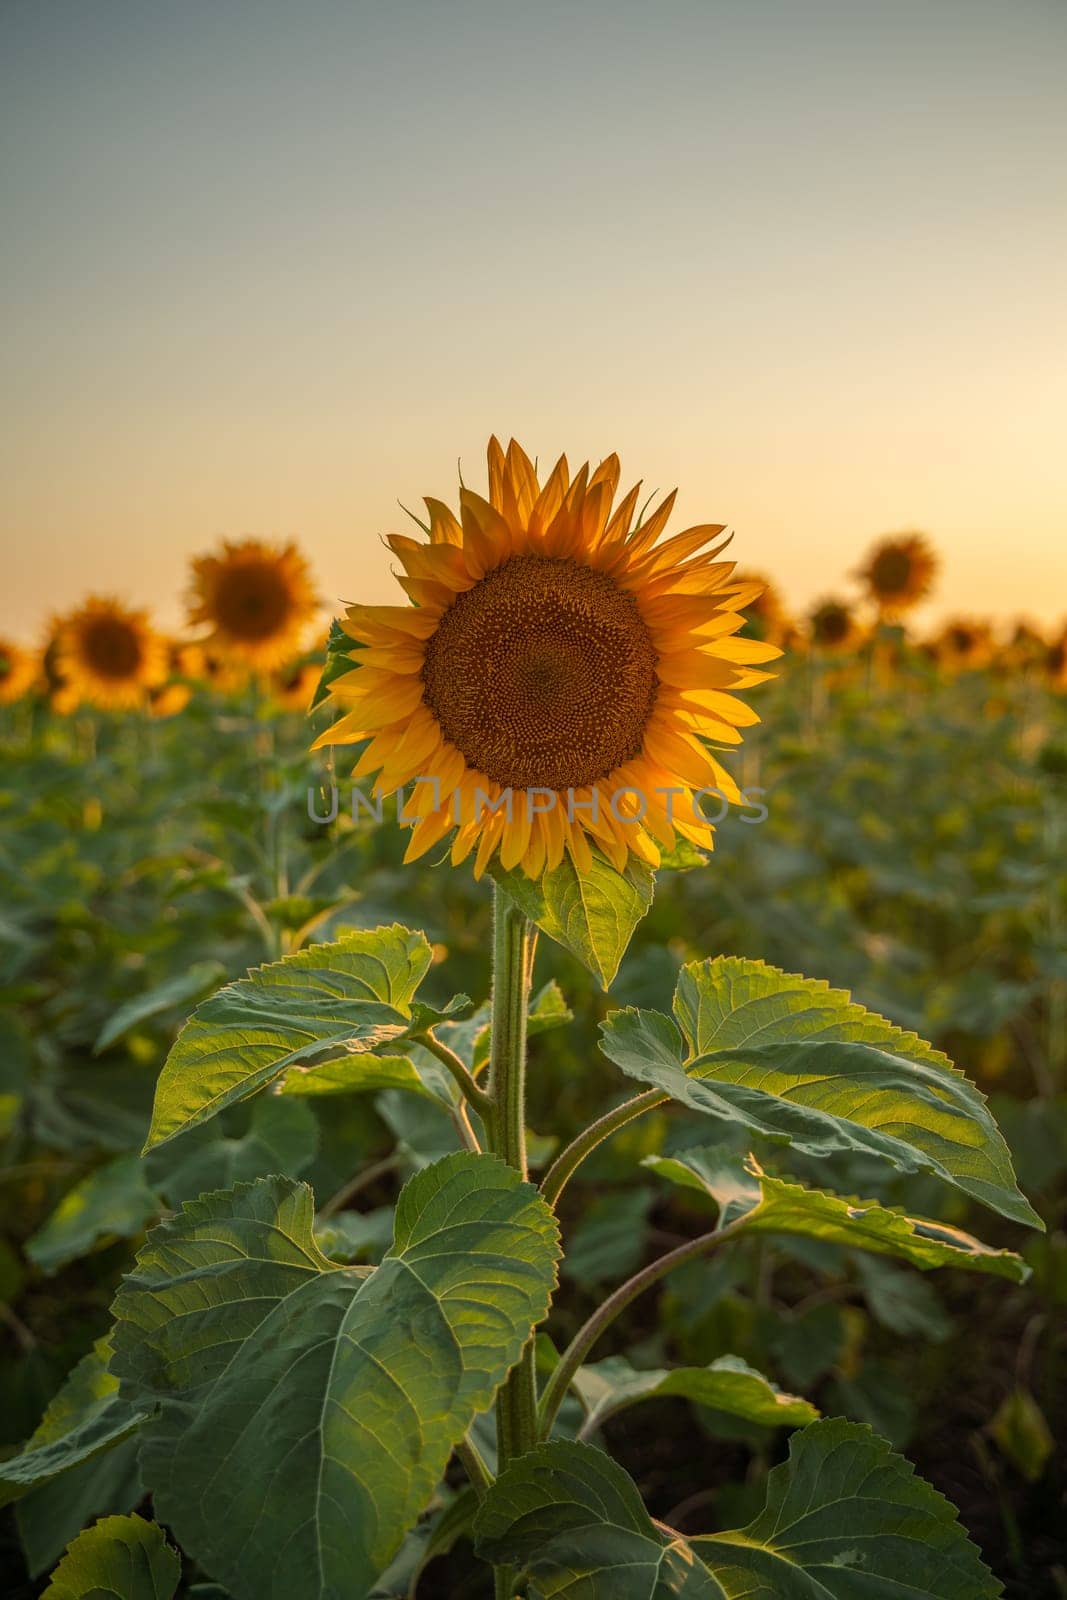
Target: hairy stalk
(472, 1090)
(569, 1160)
(616, 1303)
(516, 1406)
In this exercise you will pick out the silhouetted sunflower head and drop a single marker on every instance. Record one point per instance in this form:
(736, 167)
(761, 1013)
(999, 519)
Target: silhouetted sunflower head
(556, 653)
(964, 645)
(109, 655)
(900, 572)
(834, 628)
(257, 600)
(293, 687)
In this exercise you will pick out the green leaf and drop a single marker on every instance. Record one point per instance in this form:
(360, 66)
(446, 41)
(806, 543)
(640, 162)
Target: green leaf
(773, 1205)
(798, 1063)
(340, 650)
(847, 1519)
(321, 1004)
(176, 991)
(593, 914)
(728, 1385)
(356, 1235)
(573, 1521)
(54, 1513)
(84, 1418)
(416, 1073)
(1022, 1433)
(114, 1202)
(120, 1558)
(307, 1410)
(282, 1137)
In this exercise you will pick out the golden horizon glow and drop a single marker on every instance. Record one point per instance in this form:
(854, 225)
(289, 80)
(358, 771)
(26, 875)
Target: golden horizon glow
(802, 261)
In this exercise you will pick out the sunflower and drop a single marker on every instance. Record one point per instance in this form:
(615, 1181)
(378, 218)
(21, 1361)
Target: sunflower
(964, 645)
(1056, 663)
(109, 654)
(900, 572)
(558, 677)
(169, 699)
(293, 686)
(767, 615)
(18, 672)
(834, 629)
(257, 599)
(185, 659)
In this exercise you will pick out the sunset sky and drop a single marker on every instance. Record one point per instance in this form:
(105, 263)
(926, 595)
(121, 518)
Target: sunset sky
(269, 268)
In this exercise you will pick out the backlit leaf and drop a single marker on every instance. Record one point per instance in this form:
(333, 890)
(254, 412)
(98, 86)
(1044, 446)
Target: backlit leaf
(307, 1410)
(799, 1063)
(318, 1005)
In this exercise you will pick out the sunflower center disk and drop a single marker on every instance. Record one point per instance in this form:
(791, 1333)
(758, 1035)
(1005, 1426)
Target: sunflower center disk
(252, 602)
(543, 675)
(112, 649)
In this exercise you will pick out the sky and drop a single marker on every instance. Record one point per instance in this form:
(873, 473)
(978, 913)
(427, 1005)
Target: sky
(269, 269)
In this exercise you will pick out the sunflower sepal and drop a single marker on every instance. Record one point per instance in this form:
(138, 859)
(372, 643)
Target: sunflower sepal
(592, 914)
(341, 650)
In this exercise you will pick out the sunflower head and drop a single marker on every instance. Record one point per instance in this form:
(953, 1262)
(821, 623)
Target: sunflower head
(899, 572)
(256, 599)
(169, 699)
(964, 645)
(767, 616)
(18, 672)
(563, 678)
(185, 659)
(109, 655)
(293, 687)
(834, 628)
(1056, 663)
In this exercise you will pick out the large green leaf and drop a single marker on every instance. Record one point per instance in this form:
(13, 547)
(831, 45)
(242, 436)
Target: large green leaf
(592, 914)
(797, 1062)
(119, 1558)
(319, 1005)
(307, 1410)
(86, 1417)
(573, 1522)
(282, 1136)
(114, 1202)
(740, 1187)
(727, 1385)
(847, 1519)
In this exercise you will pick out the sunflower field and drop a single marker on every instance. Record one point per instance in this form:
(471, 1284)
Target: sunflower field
(556, 1088)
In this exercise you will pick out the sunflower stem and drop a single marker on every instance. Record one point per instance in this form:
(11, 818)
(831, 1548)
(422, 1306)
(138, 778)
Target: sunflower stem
(516, 1405)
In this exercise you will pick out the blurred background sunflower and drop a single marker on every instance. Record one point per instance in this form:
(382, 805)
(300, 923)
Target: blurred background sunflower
(964, 645)
(899, 573)
(257, 600)
(18, 670)
(834, 627)
(109, 654)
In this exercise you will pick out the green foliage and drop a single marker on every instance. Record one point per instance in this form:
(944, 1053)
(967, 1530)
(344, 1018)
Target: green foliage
(121, 1557)
(575, 1524)
(593, 914)
(798, 1063)
(114, 1202)
(85, 1418)
(327, 1002)
(769, 1204)
(844, 1518)
(727, 1384)
(242, 1332)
